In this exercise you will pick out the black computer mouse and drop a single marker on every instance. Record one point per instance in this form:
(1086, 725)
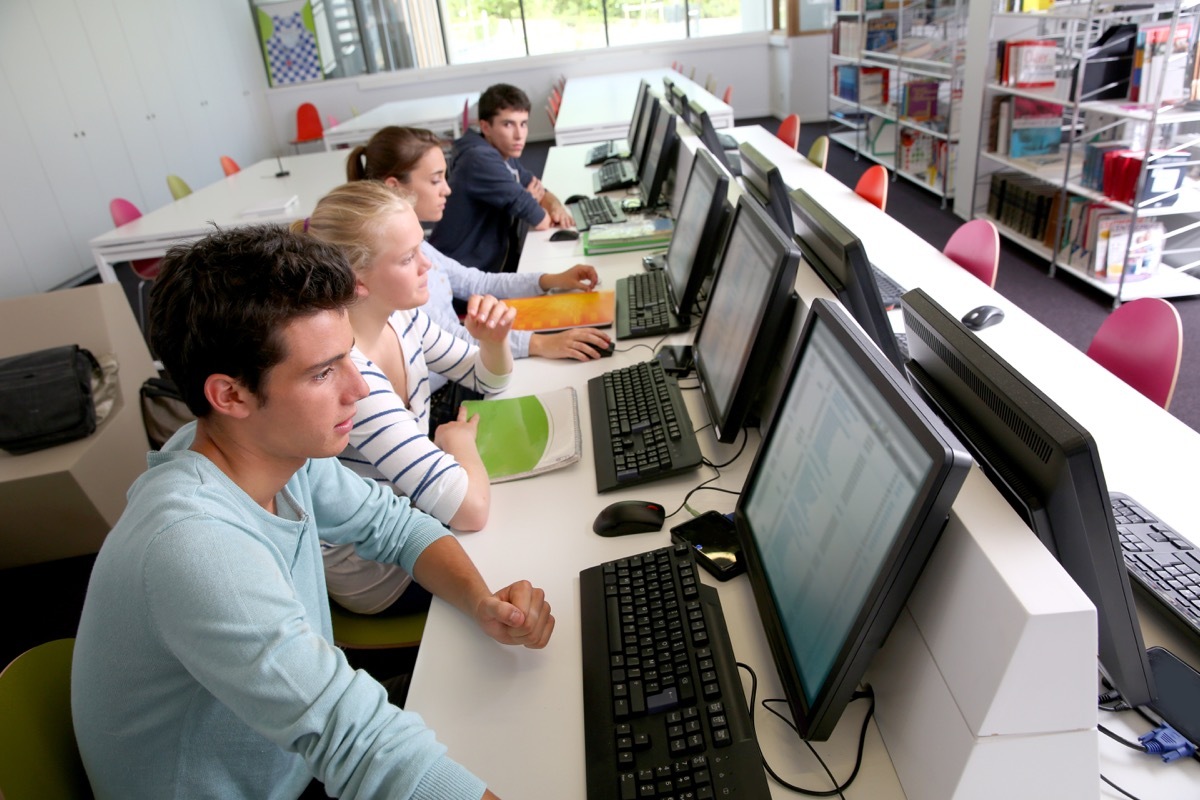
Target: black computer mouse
(629, 516)
(565, 235)
(575, 198)
(606, 351)
(982, 317)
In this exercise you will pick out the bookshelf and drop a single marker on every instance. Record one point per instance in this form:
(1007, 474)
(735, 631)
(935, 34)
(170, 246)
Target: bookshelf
(896, 86)
(1100, 181)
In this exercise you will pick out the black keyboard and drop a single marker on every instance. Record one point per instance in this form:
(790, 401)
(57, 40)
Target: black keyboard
(591, 211)
(641, 430)
(889, 290)
(1159, 560)
(603, 152)
(614, 175)
(664, 713)
(644, 306)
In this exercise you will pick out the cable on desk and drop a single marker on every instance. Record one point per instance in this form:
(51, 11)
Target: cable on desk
(1118, 788)
(866, 693)
(745, 438)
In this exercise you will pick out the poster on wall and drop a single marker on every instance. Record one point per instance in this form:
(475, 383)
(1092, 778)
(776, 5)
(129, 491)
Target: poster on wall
(289, 41)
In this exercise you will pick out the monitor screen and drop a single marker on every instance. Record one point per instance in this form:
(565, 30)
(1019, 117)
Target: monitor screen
(748, 310)
(660, 157)
(645, 126)
(765, 183)
(699, 229)
(846, 499)
(838, 257)
(639, 109)
(1043, 462)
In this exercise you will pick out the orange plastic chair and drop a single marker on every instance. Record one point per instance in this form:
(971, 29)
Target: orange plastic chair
(975, 247)
(308, 125)
(789, 131)
(229, 166)
(1142, 344)
(552, 114)
(146, 269)
(555, 100)
(873, 186)
(727, 98)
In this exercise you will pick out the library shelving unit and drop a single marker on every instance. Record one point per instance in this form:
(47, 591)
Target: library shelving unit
(1042, 177)
(896, 86)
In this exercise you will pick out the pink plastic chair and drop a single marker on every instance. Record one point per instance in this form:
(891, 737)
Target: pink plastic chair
(975, 247)
(873, 186)
(1142, 344)
(789, 131)
(146, 269)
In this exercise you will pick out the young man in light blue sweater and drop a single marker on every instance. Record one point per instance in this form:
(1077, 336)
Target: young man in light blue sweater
(204, 665)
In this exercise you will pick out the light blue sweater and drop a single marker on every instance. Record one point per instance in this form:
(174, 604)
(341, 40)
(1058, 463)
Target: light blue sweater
(204, 665)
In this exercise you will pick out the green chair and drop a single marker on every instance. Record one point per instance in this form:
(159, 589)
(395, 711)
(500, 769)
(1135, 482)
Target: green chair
(819, 152)
(371, 632)
(37, 739)
(178, 186)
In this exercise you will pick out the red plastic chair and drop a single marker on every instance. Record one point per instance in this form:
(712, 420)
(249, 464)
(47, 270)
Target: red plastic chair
(229, 166)
(975, 247)
(308, 125)
(873, 186)
(727, 98)
(789, 131)
(1142, 344)
(146, 269)
(555, 100)
(552, 114)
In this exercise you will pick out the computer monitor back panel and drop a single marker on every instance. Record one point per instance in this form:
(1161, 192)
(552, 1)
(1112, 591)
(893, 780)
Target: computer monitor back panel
(699, 228)
(645, 127)
(1044, 463)
(660, 157)
(746, 314)
(838, 257)
(639, 110)
(765, 182)
(847, 497)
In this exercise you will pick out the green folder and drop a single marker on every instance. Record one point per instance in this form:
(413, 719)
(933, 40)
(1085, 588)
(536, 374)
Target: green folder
(524, 436)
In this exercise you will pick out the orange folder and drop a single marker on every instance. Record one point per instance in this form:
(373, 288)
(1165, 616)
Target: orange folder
(554, 312)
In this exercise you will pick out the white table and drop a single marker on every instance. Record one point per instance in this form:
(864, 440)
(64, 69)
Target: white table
(222, 204)
(443, 115)
(597, 108)
(515, 716)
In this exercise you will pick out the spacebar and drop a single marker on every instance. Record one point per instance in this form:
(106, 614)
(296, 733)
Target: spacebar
(614, 625)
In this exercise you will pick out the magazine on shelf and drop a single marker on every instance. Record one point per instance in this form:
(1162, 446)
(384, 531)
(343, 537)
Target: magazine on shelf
(520, 437)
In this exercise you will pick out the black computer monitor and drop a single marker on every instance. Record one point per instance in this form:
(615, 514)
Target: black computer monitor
(1044, 463)
(638, 124)
(837, 255)
(846, 499)
(701, 123)
(765, 183)
(660, 157)
(749, 308)
(645, 127)
(678, 100)
(700, 227)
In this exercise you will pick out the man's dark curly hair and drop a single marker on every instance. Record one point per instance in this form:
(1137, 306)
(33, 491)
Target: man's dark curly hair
(219, 305)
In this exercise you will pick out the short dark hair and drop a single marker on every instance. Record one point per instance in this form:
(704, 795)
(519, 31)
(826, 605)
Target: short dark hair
(219, 305)
(501, 97)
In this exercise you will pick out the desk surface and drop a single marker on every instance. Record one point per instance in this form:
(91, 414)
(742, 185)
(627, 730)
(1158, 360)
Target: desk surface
(222, 204)
(598, 108)
(540, 530)
(442, 115)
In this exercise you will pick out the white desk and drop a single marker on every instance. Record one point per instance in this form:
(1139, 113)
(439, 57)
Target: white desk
(515, 716)
(443, 115)
(598, 108)
(222, 204)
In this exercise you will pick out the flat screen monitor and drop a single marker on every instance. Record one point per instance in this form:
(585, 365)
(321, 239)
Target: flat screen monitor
(846, 499)
(1044, 463)
(838, 257)
(765, 183)
(699, 230)
(678, 100)
(702, 125)
(638, 147)
(749, 308)
(639, 123)
(660, 157)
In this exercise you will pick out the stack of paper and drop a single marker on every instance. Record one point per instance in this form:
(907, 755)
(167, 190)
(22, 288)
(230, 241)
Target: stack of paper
(645, 234)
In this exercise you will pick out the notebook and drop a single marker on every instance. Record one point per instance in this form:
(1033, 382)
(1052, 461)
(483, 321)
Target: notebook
(562, 310)
(520, 437)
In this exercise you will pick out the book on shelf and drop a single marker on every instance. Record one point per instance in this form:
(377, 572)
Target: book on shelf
(848, 39)
(845, 82)
(1029, 63)
(1159, 63)
(880, 32)
(873, 86)
(561, 310)
(1036, 127)
(1024, 204)
(1134, 251)
(520, 437)
(641, 234)
(919, 100)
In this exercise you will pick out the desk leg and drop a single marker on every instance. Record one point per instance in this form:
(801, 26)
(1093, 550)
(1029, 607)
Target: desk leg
(105, 269)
